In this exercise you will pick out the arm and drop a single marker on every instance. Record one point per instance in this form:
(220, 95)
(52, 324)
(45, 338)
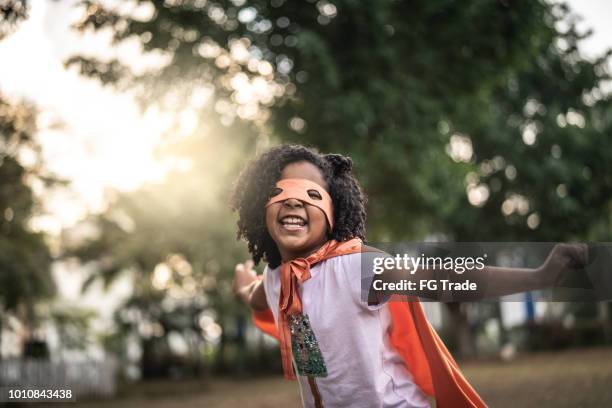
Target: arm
(495, 281)
(248, 287)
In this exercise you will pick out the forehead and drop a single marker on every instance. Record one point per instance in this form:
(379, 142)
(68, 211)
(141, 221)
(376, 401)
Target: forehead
(304, 170)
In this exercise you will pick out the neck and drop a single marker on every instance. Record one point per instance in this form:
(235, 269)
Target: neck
(287, 256)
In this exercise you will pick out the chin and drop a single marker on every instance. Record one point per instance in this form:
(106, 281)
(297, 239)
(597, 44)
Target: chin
(296, 242)
(293, 244)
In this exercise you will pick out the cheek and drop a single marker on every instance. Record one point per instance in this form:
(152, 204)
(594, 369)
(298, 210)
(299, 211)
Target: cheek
(271, 215)
(317, 220)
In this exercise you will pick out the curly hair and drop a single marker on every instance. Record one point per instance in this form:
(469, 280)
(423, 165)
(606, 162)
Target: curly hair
(252, 191)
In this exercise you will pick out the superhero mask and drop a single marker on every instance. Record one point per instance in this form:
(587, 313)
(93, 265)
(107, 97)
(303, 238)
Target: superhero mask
(307, 192)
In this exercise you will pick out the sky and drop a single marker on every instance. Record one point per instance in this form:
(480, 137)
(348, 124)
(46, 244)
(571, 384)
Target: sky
(595, 15)
(105, 141)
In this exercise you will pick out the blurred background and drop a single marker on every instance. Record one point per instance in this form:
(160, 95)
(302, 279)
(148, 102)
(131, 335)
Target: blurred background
(124, 123)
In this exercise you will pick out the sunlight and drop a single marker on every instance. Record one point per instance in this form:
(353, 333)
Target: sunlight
(94, 137)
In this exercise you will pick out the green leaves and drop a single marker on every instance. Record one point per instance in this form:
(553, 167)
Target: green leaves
(25, 259)
(374, 79)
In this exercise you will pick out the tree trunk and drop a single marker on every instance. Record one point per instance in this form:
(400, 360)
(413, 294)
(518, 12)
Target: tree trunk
(460, 333)
(148, 365)
(604, 317)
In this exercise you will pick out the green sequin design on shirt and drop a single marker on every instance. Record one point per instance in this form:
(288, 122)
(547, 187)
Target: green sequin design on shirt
(305, 348)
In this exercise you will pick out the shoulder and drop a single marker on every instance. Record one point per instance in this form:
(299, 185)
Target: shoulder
(347, 263)
(271, 278)
(358, 261)
(356, 273)
(270, 272)
(366, 256)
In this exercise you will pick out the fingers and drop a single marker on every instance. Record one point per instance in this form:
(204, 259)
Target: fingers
(244, 275)
(247, 267)
(579, 254)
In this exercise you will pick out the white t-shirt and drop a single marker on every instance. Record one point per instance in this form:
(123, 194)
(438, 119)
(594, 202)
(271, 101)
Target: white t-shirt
(363, 369)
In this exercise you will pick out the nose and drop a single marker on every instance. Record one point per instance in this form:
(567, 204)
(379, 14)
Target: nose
(293, 203)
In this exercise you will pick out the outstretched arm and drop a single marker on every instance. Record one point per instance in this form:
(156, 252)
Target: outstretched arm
(495, 281)
(248, 287)
(562, 260)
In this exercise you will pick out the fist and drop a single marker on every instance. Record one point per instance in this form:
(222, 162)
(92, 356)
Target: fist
(562, 260)
(244, 275)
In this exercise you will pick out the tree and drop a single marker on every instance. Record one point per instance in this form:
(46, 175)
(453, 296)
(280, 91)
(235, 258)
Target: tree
(479, 120)
(25, 259)
(11, 13)
(176, 240)
(390, 83)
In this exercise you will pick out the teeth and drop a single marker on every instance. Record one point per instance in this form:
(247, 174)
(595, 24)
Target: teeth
(292, 221)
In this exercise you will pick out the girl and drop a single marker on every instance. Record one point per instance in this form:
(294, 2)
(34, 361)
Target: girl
(303, 212)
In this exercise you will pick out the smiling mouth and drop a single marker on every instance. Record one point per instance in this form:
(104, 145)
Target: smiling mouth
(293, 223)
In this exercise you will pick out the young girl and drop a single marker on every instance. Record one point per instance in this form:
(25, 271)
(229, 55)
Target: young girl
(303, 212)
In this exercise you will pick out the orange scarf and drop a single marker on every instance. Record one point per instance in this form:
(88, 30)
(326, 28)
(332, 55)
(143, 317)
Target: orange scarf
(428, 360)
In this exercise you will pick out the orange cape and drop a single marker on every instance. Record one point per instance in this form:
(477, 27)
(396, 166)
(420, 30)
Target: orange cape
(416, 341)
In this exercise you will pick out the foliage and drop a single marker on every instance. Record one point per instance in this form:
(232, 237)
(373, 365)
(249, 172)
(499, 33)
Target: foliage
(177, 244)
(73, 326)
(391, 83)
(11, 13)
(479, 120)
(25, 277)
(25, 258)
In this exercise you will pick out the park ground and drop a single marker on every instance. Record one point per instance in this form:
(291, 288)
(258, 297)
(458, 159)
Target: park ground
(573, 378)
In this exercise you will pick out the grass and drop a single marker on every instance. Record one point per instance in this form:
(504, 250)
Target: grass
(574, 378)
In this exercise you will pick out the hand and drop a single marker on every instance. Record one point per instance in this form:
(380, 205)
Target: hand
(244, 276)
(563, 259)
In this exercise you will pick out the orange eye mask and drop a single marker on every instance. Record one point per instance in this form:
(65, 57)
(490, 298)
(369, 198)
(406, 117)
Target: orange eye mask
(306, 191)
